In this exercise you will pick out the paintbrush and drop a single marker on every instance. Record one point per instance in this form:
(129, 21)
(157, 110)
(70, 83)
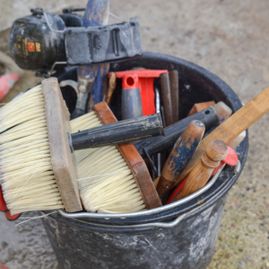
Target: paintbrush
(37, 167)
(112, 178)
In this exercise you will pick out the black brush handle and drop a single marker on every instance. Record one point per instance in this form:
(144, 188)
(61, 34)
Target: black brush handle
(117, 133)
(210, 117)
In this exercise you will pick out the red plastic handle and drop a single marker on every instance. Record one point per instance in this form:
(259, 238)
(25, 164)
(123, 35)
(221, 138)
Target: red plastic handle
(3, 266)
(3, 208)
(142, 79)
(6, 83)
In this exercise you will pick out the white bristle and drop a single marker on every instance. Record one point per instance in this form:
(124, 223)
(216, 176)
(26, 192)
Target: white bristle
(26, 174)
(106, 182)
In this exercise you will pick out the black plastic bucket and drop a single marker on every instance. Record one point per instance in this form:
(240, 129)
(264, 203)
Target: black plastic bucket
(181, 235)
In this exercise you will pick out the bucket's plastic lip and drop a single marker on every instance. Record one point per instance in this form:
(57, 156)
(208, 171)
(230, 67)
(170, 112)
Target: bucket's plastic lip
(109, 216)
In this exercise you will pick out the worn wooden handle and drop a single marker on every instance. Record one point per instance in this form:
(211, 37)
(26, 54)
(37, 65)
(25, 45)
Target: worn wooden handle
(63, 164)
(181, 153)
(111, 86)
(233, 126)
(215, 152)
(133, 159)
(174, 85)
(166, 98)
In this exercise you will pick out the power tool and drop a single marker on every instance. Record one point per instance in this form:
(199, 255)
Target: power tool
(44, 40)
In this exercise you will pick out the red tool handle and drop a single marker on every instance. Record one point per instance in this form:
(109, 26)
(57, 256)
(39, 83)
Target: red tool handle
(231, 160)
(142, 79)
(6, 83)
(3, 208)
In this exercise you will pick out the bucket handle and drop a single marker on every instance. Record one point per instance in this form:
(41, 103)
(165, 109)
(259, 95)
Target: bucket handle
(166, 225)
(85, 215)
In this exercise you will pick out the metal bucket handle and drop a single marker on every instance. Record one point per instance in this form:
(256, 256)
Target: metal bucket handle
(88, 215)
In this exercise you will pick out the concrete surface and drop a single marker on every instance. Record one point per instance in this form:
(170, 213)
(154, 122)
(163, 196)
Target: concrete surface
(228, 37)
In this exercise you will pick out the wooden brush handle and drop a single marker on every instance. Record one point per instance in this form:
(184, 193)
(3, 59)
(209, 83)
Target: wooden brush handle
(111, 86)
(215, 152)
(233, 126)
(241, 119)
(62, 161)
(181, 153)
(134, 161)
(200, 106)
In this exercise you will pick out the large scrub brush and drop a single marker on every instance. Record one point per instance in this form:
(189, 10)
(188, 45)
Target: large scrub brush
(112, 179)
(37, 170)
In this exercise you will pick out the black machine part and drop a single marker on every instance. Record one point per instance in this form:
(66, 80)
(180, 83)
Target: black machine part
(146, 147)
(32, 42)
(150, 146)
(102, 43)
(40, 41)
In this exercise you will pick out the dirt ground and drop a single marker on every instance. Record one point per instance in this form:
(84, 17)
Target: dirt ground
(228, 37)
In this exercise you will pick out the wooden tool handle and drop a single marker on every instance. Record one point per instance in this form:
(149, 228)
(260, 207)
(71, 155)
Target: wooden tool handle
(61, 158)
(133, 159)
(181, 153)
(200, 174)
(166, 98)
(174, 85)
(233, 126)
(241, 119)
(197, 107)
(111, 86)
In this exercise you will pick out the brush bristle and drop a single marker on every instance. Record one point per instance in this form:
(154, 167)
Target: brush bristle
(106, 182)
(26, 173)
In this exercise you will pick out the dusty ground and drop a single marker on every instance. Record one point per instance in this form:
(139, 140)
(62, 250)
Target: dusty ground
(229, 38)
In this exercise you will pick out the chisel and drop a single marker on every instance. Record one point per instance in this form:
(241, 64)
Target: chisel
(181, 153)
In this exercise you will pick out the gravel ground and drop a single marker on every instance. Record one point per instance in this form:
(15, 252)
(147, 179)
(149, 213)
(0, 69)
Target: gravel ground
(228, 37)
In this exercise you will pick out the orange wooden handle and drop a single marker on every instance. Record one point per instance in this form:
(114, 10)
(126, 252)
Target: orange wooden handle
(233, 126)
(133, 159)
(181, 153)
(200, 174)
